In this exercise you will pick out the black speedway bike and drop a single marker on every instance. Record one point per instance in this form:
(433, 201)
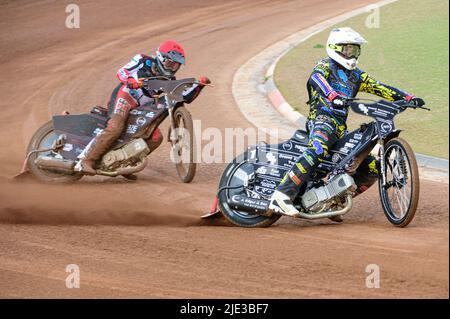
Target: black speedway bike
(250, 179)
(57, 146)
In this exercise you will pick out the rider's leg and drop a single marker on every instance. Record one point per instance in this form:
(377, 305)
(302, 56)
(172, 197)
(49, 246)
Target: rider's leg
(324, 134)
(109, 135)
(366, 174)
(113, 98)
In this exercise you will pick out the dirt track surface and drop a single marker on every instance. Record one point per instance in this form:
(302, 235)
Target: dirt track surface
(145, 238)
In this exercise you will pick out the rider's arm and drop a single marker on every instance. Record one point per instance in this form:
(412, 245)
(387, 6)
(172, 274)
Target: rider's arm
(319, 82)
(372, 86)
(131, 68)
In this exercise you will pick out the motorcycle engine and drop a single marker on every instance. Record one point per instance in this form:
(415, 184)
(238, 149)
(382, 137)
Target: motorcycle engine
(321, 198)
(127, 154)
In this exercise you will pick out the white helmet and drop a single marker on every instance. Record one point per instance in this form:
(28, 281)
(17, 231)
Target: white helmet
(344, 46)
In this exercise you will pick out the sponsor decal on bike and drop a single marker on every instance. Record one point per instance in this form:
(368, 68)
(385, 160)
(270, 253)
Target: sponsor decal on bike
(358, 136)
(336, 158)
(271, 158)
(268, 183)
(261, 170)
(287, 146)
(286, 156)
(349, 145)
(275, 172)
(254, 203)
(132, 129)
(263, 191)
(150, 114)
(289, 164)
(363, 108)
(386, 127)
(141, 121)
(136, 112)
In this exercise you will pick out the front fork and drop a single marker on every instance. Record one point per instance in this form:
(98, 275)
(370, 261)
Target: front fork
(382, 163)
(173, 133)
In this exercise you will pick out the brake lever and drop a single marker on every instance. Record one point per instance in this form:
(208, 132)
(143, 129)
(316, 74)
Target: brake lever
(419, 107)
(204, 84)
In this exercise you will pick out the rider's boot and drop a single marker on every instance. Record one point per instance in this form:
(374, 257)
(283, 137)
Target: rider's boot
(101, 144)
(281, 203)
(281, 200)
(283, 197)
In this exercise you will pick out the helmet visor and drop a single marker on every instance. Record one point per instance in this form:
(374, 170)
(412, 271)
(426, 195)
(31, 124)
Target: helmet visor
(349, 51)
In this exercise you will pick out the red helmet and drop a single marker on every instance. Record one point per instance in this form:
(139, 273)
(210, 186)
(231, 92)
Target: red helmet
(169, 57)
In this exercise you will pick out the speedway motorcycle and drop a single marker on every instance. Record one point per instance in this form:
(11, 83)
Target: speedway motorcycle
(56, 147)
(248, 182)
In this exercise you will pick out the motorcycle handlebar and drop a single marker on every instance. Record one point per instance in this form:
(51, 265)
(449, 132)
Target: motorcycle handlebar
(401, 103)
(142, 80)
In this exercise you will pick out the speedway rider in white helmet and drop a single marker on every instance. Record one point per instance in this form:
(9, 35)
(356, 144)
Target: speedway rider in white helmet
(333, 80)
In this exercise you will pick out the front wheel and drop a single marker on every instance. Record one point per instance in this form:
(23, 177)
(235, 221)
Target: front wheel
(183, 145)
(400, 195)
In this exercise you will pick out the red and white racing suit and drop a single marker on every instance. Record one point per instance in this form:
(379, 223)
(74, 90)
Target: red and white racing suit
(143, 66)
(140, 66)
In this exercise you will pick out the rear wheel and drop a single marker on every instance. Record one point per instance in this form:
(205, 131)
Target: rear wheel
(400, 195)
(42, 139)
(183, 146)
(234, 176)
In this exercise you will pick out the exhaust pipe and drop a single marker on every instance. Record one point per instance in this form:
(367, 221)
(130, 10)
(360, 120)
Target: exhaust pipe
(253, 206)
(261, 207)
(55, 164)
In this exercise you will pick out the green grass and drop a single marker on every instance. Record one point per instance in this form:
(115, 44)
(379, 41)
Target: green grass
(408, 51)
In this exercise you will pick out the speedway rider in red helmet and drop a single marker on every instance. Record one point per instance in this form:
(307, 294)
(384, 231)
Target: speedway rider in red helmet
(128, 95)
